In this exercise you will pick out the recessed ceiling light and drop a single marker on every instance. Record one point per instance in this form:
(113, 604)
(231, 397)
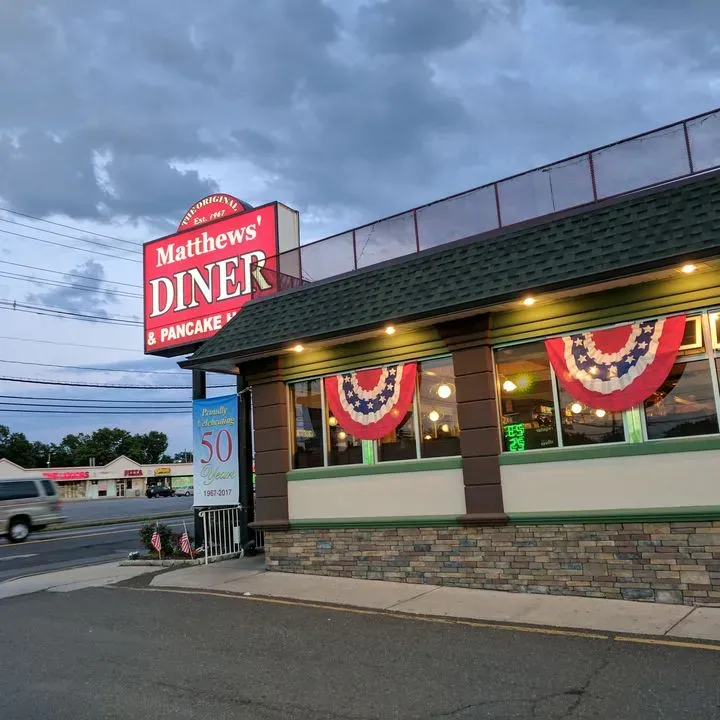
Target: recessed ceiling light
(298, 348)
(688, 268)
(576, 408)
(528, 301)
(434, 415)
(600, 413)
(390, 329)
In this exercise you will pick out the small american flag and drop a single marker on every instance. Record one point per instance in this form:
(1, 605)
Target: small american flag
(185, 543)
(155, 541)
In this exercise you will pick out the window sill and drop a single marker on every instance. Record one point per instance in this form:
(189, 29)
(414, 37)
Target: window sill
(593, 452)
(385, 468)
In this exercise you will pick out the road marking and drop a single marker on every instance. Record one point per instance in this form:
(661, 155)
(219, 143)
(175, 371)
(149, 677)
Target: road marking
(671, 643)
(438, 620)
(89, 535)
(16, 557)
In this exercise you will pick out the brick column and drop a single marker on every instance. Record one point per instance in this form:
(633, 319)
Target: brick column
(469, 341)
(272, 457)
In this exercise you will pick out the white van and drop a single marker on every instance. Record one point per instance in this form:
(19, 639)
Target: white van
(26, 505)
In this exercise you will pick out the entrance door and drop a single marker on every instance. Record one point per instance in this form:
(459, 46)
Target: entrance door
(120, 488)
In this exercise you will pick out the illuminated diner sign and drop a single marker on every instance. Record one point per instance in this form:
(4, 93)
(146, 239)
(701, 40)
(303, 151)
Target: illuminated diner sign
(133, 473)
(162, 471)
(198, 278)
(71, 475)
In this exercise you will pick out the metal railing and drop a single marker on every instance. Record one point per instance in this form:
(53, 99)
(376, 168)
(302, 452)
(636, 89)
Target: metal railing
(685, 148)
(221, 533)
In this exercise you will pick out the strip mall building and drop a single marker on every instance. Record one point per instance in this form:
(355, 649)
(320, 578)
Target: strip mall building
(530, 405)
(121, 477)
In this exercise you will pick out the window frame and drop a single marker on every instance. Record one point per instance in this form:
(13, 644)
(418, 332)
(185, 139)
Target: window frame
(370, 459)
(634, 418)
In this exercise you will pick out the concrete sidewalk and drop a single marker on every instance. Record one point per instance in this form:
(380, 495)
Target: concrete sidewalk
(248, 576)
(69, 580)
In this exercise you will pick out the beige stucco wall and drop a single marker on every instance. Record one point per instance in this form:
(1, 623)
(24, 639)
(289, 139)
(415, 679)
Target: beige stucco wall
(684, 479)
(424, 493)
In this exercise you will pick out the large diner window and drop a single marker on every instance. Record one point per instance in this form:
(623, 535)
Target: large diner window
(429, 428)
(684, 405)
(306, 401)
(537, 412)
(439, 425)
(527, 406)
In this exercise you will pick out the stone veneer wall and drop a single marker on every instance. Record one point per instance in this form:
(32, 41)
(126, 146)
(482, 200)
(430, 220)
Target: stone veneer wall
(676, 562)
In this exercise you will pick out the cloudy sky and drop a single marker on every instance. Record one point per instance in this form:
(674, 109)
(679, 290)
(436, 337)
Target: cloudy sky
(116, 116)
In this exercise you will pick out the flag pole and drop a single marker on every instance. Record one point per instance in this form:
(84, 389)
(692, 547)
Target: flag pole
(192, 557)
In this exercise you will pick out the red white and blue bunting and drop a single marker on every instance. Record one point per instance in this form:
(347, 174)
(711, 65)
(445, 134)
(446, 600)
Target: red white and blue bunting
(369, 404)
(617, 368)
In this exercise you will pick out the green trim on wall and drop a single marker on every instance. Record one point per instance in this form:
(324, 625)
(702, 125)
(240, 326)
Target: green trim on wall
(645, 515)
(594, 452)
(607, 307)
(384, 468)
(376, 522)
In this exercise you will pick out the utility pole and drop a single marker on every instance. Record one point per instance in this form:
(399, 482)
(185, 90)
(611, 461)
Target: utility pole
(245, 461)
(199, 392)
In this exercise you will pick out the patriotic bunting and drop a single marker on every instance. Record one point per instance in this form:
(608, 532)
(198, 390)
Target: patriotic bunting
(369, 404)
(617, 368)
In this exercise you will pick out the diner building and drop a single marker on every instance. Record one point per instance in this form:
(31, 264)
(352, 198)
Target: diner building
(531, 407)
(122, 477)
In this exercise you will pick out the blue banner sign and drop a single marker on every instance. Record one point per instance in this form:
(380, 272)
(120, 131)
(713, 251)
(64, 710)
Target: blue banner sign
(215, 451)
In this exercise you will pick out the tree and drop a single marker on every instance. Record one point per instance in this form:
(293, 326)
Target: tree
(18, 449)
(103, 445)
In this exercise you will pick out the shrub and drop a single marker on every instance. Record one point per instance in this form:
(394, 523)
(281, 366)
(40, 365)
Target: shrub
(166, 535)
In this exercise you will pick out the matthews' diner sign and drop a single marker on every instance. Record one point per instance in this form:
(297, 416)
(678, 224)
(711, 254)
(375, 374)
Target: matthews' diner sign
(196, 280)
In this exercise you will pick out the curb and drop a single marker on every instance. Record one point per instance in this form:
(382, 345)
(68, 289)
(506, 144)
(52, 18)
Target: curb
(117, 521)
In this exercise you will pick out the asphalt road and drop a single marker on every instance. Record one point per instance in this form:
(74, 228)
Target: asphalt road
(85, 510)
(131, 653)
(44, 552)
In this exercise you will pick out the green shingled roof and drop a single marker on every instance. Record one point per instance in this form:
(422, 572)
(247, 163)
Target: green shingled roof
(643, 231)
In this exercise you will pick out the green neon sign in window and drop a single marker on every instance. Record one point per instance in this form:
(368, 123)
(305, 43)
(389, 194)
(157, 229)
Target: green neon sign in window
(515, 435)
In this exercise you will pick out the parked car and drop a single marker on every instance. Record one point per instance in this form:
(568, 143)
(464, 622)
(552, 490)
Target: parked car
(27, 505)
(159, 491)
(186, 491)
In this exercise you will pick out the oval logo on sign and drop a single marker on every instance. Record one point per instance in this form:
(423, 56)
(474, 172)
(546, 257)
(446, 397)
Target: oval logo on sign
(212, 207)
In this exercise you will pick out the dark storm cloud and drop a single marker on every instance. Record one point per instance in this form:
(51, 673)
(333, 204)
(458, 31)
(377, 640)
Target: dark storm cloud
(263, 81)
(352, 109)
(86, 292)
(421, 26)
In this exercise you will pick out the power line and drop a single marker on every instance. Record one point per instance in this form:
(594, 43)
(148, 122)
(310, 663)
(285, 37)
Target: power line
(103, 399)
(71, 274)
(68, 314)
(177, 373)
(33, 381)
(59, 283)
(101, 412)
(57, 342)
(95, 406)
(67, 227)
(71, 247)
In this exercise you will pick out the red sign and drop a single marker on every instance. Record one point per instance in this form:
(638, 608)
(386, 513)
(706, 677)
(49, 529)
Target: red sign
(212, 207)
(72, 475)
(196, 280)
(133, 473)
